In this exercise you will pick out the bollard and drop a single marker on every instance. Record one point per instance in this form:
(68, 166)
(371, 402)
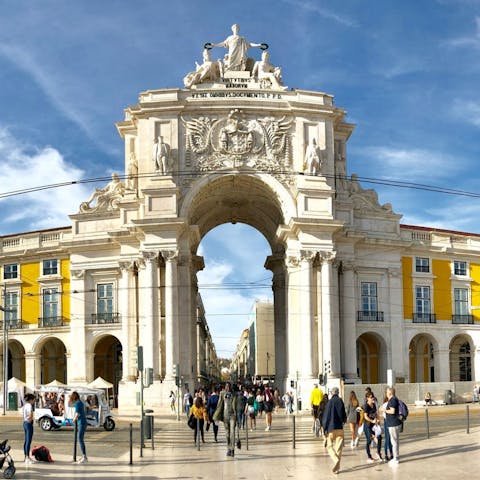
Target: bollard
(427, 423)
(197, 434)
(293, 416)
(141, 438)
(75, 439)
(131, 445)
(246, 436)
(468, 418)
(151, 429)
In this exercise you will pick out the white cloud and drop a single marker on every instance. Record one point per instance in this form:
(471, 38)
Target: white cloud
(472, 40)
(323, 12)
(467, 110)
(25, 167)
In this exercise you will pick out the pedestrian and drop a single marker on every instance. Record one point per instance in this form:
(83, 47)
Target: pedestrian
(226, 413)
(476, 392)
(251, 411)
(394, 425)
(187, 402)
(241, 403)
(80, 419)
(315, 399)
(28, 426)
(276, 399)
(387, 444)
(200, 415)
(371, 420)
(260, 398)
(353, 417)
(287, 402)
(211, 406)
(333, 421)
(173, 400)
(268, 407)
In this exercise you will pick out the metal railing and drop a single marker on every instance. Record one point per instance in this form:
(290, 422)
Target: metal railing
(369, 316)
(103, 318)
(421, 317)
(47, 322)
(462, 319)
(13, 324)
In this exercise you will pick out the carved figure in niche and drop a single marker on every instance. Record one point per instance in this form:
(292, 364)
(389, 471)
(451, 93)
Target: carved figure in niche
(266, 72)
(160, 153)
(208, 70)
(132, 172)
(237, 50)
(341, 172)
(107, 198)
(312, 161)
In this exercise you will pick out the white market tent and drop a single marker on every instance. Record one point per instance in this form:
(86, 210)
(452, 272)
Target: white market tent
(100, 382)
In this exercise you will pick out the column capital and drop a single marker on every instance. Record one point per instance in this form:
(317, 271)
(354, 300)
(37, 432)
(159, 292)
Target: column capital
(327, 257)
(127, 265)
(394, 272)
(149, 256)
(77, 273)
(170, 255)
(349, 266)
(308, 255)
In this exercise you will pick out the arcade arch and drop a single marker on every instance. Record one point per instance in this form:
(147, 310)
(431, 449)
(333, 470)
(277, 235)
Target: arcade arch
(107, 361)
(53, 360)
(372, 358)
(16, 360)
(422, 358)
(461, 358)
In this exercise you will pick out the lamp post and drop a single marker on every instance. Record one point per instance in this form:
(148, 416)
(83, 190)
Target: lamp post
(5, 349)
(268, 358)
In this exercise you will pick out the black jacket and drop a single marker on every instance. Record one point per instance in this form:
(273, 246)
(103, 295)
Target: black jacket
(334, 416)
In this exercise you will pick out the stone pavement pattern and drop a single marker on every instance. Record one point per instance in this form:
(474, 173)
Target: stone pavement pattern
(442, 456)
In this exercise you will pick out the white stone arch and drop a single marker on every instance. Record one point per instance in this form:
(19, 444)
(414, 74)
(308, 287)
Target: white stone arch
(51, 354)
(16, 360)
(424, 363)
(461, 358)
(372, 357)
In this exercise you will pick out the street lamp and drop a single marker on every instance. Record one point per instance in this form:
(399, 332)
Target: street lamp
(5, 353)
(268, 358)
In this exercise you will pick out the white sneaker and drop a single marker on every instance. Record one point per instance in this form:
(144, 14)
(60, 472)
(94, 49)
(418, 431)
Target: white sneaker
(267, 429)
(356, 441)
(84, 459)
(393, 462)
(30, 460)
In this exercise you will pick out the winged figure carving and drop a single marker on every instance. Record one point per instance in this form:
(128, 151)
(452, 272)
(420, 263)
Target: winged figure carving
(198, 133)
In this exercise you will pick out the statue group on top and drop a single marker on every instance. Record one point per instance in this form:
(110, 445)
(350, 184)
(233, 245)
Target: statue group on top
(235, 60)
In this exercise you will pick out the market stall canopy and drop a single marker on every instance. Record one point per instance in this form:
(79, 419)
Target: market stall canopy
(100, 382)
(55, 383)
(15, 383)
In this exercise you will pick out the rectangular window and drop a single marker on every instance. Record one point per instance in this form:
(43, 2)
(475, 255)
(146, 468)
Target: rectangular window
(460, 268)
(422, 265)
(460, 296)
(11, 308)
(50, 267)
(422, 299)
(105, 301)
(50, 304)
(369, 297)
(10, 271)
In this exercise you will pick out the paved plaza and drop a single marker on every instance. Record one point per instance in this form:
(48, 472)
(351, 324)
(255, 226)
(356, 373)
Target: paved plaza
(270, 455)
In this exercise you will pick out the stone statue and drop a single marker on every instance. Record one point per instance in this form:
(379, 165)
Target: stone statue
(237, 50)
(369, 195)
(161, 153)
(107, 198)
(266, 72)
(207, 71)
(312, 161)
(132, 172)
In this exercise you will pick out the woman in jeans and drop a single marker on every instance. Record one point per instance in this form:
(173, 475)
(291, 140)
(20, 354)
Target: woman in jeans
(81, 420)
(371, 419)
(28, 426)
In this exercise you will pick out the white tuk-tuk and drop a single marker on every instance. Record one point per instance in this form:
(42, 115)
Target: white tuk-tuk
(53, 409)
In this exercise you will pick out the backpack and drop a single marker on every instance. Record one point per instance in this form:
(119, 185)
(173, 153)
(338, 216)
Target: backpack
(42, 454)
(402, 410)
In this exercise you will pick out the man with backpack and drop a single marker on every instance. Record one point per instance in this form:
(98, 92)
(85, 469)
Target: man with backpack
(394, 424)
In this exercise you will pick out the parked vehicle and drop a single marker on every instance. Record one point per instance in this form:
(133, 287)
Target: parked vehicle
(53, 409)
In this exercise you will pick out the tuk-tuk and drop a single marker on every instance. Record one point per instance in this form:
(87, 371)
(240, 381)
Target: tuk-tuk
(53, 409)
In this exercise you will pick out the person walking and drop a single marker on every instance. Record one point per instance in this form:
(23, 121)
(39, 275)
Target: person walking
(251, 411)
(268, 406)
(394, 425)
(387, 444)
(200, 415)
(226, 412)
(80, 419)
(353, 418)
(173, 401)
(28, 426)
(333, 421)
(315, 399)
(187, 402)
(241, 403)
(371, 420)
(211, 406)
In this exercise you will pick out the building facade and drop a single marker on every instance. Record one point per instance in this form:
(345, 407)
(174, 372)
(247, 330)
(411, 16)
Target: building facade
(354, 290)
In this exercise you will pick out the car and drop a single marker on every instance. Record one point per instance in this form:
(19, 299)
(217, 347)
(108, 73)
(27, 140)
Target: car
(53, 409)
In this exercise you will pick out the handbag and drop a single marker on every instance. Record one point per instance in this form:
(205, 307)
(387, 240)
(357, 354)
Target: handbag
(192, 421)
(360, 430)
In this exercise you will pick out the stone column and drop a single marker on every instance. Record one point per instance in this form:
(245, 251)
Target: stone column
(171, 312)
(330, 321)
(150, 337)
(128, 317)
(77, 361)
(397, 359)
(276, 263)
(349, 321)
(32, 368)
(442, 364)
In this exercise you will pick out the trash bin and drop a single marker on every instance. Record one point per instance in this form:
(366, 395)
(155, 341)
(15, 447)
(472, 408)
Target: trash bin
(147, 424)
(12, 401)
(299, 404)
(448, 397)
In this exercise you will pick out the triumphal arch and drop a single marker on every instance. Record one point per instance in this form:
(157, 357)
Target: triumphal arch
(234, 145)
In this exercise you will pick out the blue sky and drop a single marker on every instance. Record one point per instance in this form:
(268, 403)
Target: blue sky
(406, 72)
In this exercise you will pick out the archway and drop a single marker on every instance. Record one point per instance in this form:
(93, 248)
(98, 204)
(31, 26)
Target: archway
(16, 360)
(107, 361)
(460, 359)
(422, 359)
(53, 363)
(371, 358)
